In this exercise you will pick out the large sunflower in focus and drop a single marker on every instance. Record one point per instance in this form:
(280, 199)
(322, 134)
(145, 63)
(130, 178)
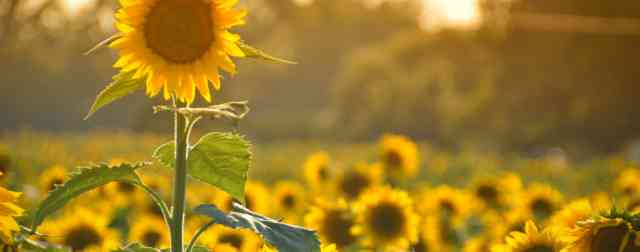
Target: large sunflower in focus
(178, 45)
(602, 234)
(386, 219)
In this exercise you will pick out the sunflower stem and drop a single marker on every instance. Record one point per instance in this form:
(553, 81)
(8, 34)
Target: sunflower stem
(180, 182)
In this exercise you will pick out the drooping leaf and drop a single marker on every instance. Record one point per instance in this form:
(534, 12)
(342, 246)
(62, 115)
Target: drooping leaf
(123, 84)
(219, 159)
(136, 247)
(255, 53)
(84, 180)
(285, 237)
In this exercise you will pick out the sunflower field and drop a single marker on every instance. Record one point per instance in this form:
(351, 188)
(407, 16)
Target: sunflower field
(436, 133)
(393, 195)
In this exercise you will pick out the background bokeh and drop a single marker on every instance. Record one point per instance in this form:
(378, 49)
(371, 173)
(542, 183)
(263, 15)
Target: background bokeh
(521, 76)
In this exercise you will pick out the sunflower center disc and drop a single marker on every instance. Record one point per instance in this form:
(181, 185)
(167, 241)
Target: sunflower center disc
(540, 248)
(387, 221)
(82, 237)
(231, 239)
(151, 238)
(609, 238)
(179, 31)
(353, 184)
(338, 228)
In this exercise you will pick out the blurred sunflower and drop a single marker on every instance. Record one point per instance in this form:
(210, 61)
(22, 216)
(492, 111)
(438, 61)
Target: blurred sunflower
(478, 244)
(241, 239)
(628, 182)
(541, 201)
(8, 211)
(256, 198)
(316, 169)
(150, 230)
(572, 213)
(386, 219)
(81, 230)
(496, 192)
(178, 45)
(289, 197)
(357, 179)
(333, 222)
(441, 233)
(447, 202)
(122, 194)
(602, 234)
(399, 156)
(323, 248)
(56, 175)
(531, 240)
(5, 163)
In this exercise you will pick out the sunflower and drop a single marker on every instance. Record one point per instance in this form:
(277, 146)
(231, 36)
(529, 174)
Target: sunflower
(51, 177)
(441, 233)
(123, 194)
(531, 240)
(178, 45)
(603, 234)
(151, 231)
(357, 179)
(323, 248)
(256, 198)
(478, 244)
(541, 201)
(447, 202)
(386, 219)
(316, 169)
(5, 163)
(8, 211)
(399, 155)
(81, 230)
(574, 212)
(333, 222)
(496, 192)
(241, 239)
(289, 199)
(628, 182)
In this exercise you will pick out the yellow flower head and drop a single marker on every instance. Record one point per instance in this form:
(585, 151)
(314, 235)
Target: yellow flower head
(241, 240)
(386, 219)
(497, 192)
(178, 45)
(81, 230)
(357, 179)
(399, 156)
(333, 221)
(541, 201)
(628, 182)
(569, 216)
(316, 169)
(51, 177)
(601, 234)
(531, 240)
(150, 230)
(8, 211)
(289, 199)
(447, 202)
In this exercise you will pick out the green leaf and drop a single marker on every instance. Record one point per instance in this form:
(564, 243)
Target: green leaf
(219, 159)
(255, 53)
(136, 247)
(122, 85)
(83, 180)
(285, 237)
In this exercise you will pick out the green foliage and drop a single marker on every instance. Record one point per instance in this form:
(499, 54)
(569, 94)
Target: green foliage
(83, 180)
(123, 84)
(253, 52)
(285, 237)
(219, 159)
(39, 246)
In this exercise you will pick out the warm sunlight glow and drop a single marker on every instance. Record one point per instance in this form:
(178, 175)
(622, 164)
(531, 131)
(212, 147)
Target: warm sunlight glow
(450, 13)
(74, 7)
